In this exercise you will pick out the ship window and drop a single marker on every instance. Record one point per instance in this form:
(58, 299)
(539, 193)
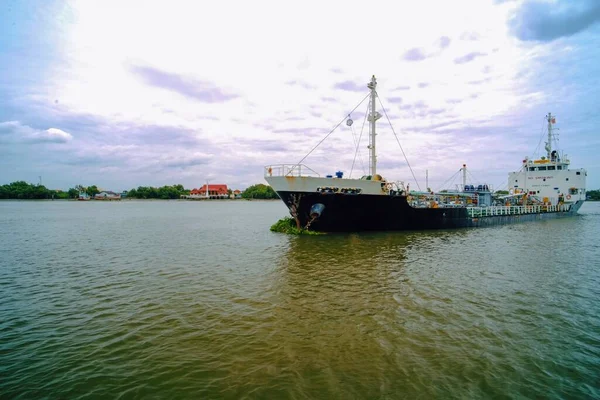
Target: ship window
(551, 168)
(559, 167)
(532, 168)
(541, 168)
(577, 173)
(567, 179)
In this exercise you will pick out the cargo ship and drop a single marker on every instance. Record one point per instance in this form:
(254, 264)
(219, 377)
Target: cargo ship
(540, 189)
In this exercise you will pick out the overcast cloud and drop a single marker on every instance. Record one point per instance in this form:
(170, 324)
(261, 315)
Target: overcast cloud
(103, 93)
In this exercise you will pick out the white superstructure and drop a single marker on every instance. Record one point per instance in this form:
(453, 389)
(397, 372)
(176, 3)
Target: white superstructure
(549, 178)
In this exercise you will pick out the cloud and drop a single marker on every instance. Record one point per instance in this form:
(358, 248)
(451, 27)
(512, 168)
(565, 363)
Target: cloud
(15, 132)
(301, 84)
(472, 36)
(350, 86)
(182, 161)
(423, 85)
(395, 100)
(414, 54)
(420, 54)
(443, 42)
(205, 92)
(479, 81)
(540, 21)
(468, 57)
(402, 88)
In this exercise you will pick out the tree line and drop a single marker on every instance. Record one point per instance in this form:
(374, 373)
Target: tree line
(165, 192)
(24, 190)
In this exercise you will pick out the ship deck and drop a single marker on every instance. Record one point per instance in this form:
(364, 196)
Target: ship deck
(492, 211)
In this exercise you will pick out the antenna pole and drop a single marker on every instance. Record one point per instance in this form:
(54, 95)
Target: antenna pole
(373, 117)
(464, 171)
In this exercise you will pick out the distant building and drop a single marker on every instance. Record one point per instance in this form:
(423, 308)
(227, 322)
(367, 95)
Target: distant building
(216, 191)
(83, 196)
(124, 194)
(107, 195)
(237, 194)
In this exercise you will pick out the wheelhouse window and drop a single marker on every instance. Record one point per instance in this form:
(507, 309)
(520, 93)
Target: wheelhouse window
(577, 173)
(572, 191)
(532, 168)
(559, 167)
(551, 168)
(541, 168)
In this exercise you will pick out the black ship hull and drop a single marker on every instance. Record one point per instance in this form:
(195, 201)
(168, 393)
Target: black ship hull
(353, 213)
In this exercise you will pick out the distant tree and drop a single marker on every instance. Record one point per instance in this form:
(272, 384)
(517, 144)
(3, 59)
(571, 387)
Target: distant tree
(165, 192)
(92, 190)
(594, 195)
(24, 190)
(259, 191)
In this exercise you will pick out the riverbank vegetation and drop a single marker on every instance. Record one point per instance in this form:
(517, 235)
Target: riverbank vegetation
(164, 192)
(594, 195)
(288, 225)
(24, 190)
(259, 191)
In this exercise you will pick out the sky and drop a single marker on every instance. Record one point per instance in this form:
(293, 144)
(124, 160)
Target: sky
(132, 93)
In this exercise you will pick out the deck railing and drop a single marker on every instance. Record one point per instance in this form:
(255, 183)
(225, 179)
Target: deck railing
(289, 170)
(476, 212)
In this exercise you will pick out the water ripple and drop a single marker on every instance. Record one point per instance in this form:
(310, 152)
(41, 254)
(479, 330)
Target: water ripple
(200, 300)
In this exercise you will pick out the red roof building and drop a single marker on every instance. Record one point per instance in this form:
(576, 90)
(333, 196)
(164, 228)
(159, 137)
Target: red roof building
(213, 190)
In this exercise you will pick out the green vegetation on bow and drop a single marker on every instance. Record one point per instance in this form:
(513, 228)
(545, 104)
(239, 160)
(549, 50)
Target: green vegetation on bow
(165, 192)
(288, 225)
(24, 190)
(259, 191)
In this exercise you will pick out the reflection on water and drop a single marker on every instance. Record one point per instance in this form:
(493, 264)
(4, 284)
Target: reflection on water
(201, 300)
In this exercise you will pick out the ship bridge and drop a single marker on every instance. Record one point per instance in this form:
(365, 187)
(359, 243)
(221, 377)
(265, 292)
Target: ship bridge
(549, 177)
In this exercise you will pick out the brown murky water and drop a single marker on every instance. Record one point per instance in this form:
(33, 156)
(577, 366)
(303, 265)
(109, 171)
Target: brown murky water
(199, 300)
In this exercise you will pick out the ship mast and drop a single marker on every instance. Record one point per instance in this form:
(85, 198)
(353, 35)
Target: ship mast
(373, 117)
(550, 119)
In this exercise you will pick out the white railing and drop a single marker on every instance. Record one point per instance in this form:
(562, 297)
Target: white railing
(515, 210)
(289, 170)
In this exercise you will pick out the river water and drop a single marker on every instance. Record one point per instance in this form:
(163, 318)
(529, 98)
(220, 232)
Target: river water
(176, 299)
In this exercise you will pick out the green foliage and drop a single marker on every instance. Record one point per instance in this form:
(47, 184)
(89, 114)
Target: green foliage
(259, 191)
(165, 192)
(501, 192)
(594, 195)
(288, 225)
(24, 190)
(92, 190)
